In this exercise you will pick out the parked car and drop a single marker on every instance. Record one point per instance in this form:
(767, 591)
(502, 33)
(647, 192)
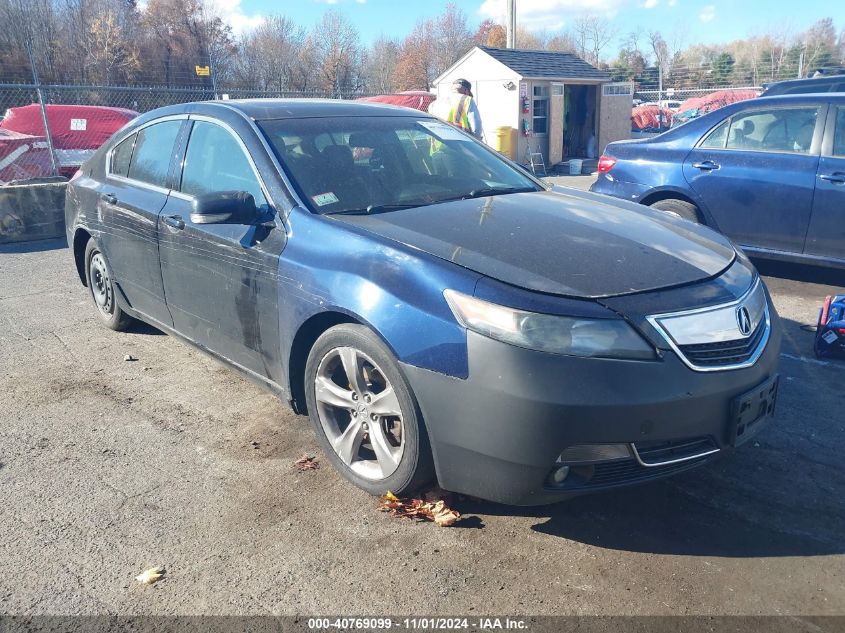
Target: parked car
(769, 173)
(823, 83)
(435, 309)
(668, 104)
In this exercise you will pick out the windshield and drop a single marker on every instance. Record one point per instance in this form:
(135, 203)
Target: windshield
(378, 164)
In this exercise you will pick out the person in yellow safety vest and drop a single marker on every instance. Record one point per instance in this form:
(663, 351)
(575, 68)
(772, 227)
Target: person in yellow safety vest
(459, 108)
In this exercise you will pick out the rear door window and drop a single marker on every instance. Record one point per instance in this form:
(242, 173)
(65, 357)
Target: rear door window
(716, 139)
(153, 151)
(775, 130)
(121, 155)
(839, 134)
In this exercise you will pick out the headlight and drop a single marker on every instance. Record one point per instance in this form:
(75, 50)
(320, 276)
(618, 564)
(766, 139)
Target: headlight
(608, 338)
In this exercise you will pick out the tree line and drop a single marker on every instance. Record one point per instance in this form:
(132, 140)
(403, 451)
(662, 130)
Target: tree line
(119, 42)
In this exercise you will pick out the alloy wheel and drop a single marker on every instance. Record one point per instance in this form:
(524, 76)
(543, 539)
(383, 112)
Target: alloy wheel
(360, 413)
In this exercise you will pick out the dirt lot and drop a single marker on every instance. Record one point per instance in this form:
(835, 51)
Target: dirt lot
(108, 467)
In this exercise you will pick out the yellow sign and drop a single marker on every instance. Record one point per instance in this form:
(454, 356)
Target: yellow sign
(202, 71)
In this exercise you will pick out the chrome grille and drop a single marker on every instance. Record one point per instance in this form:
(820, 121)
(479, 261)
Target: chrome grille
(712, 338)
(733, 352)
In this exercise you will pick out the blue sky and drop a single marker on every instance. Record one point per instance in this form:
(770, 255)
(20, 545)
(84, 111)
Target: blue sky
(701, 21)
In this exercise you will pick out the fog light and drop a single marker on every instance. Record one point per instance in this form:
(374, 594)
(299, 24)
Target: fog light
(560, 474)
(592, 453)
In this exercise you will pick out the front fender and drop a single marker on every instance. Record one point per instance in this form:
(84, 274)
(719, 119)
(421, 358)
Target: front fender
(398, 292)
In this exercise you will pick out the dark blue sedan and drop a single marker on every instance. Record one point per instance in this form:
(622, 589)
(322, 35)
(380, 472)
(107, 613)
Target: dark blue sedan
(768, 173)
(435, 310)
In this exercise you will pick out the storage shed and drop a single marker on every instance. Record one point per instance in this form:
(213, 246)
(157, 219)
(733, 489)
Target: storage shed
(549, 102)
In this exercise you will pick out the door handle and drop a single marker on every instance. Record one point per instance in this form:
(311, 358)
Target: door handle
(174, 221)
(110, 198)
(706, 165)
(836, 177)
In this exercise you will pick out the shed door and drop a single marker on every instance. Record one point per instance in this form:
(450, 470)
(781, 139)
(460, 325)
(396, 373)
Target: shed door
(556, 124)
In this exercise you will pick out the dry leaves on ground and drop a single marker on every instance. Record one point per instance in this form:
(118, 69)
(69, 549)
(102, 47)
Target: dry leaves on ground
(419, 510)
(150, 576)
(307, 462)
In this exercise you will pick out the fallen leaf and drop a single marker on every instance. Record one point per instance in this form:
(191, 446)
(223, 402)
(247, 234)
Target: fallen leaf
(307, 462)
(150, 576)
(419, 510)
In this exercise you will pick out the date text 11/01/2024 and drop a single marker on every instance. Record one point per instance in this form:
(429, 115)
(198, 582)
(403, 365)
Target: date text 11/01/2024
(417, 624)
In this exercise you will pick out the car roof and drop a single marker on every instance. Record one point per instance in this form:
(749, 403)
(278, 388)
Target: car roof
(810, 97)
(267, 109)
(824, 81)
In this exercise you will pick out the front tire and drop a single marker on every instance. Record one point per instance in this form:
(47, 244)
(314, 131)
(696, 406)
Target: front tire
(101, 286)
(682, 208)
(364, 414)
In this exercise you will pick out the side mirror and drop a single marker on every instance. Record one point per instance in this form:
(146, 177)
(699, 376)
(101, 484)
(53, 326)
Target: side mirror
(224, 207)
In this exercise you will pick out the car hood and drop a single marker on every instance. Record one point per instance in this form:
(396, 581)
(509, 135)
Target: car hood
(576, 245)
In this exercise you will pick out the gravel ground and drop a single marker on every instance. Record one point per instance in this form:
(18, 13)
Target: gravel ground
(108, 467)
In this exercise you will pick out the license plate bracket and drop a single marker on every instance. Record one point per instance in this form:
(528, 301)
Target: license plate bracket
(751, 410)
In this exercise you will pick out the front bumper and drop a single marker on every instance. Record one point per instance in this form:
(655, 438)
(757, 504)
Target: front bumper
(497, 434)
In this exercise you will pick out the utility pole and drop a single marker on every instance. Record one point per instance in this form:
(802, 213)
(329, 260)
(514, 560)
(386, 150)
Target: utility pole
(510, 23)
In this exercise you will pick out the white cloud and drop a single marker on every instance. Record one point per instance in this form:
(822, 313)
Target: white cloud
(650, 4)
(672, 3)
(231, 12)
(708, 13)
(550, 15)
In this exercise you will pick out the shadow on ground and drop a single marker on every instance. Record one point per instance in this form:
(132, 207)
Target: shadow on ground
(799, 272)
(35, 246)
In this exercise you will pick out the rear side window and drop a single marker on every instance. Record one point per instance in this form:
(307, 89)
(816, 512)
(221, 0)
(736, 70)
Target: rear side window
(120, 156)
(215, 161)
(716, 138)
(776, 130)
(839, 133)
(153, 150)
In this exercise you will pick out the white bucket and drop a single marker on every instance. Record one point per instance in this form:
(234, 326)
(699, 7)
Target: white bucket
(575, 166)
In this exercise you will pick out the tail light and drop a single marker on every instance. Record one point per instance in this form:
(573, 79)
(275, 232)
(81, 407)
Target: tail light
(606, 163)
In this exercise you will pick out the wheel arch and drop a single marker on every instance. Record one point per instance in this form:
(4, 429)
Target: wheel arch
(80, 240)
(667, 194)
(685, 196)
(307, 334)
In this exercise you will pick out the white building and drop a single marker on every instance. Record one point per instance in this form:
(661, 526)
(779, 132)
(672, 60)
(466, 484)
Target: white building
(551, 102)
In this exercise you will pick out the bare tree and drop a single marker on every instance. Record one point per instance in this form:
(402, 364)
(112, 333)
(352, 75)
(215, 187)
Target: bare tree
(268, 56)
(661, 57)
(415, 68)
(591, 34)
(337, 49)
(453, 37)
(380, 66)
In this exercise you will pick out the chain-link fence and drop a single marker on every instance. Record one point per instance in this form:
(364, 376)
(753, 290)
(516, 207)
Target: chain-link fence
(48, 131)
(669, 94)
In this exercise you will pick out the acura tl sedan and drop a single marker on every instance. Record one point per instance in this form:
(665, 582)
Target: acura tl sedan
(768, 173)
(436, 311)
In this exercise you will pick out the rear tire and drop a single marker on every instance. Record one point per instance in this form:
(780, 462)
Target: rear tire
(682, 208)
(369, 424)
(101, 286)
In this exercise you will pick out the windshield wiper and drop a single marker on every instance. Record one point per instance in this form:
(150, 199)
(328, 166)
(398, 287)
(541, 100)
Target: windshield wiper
(377, 208)
(495, 191)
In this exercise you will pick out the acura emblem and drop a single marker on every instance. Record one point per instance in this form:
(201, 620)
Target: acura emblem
(743, 320)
